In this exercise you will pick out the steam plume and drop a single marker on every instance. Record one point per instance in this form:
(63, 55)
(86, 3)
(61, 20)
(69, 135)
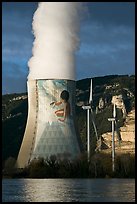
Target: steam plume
(56, 27)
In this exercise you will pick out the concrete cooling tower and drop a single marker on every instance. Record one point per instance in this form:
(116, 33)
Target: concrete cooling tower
(51, 126)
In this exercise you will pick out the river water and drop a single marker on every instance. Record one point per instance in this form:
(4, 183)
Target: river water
(68, 190)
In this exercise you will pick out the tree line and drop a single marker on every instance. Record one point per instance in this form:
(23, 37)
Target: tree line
(99, 166)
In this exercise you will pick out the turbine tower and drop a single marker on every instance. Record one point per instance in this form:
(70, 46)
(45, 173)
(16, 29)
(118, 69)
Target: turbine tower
(116, 126)
(88, 108)
(113, 120)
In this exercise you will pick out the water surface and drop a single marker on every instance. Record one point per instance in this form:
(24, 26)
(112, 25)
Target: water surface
(68, 190)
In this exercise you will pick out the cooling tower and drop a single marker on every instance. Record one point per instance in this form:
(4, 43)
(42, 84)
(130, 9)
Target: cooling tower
(50, 128)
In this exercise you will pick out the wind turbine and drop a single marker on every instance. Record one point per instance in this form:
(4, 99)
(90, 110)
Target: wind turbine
(88, 108)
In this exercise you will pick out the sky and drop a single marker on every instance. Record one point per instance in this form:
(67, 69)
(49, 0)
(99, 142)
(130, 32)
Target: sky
(107, 42)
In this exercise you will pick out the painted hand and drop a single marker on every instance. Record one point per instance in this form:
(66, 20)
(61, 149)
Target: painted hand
(62, 120)
(52, 103)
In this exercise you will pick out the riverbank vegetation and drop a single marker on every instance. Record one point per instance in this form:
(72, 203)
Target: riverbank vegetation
(100, 166)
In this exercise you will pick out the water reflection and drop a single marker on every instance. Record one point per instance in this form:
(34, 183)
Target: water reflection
(112, 190)
(68, 190)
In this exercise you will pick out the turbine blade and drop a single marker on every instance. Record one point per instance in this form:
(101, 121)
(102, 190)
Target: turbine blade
(90, 96)
(93, 121)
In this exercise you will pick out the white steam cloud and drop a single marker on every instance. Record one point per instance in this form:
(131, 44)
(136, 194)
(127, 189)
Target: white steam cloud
(56, 28)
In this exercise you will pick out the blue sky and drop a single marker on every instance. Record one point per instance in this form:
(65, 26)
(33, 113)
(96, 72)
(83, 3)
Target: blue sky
(107, 42)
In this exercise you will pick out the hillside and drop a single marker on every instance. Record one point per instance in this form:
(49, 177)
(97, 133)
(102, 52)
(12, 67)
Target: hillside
(127, 132)
(14, 110)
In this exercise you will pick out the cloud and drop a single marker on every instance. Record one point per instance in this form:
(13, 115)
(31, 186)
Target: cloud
(106, 49)
(112, 13)
(17, 40)
(14, 77)
(13, 69)
(17, 36)
(10, 84)
(100, 64)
